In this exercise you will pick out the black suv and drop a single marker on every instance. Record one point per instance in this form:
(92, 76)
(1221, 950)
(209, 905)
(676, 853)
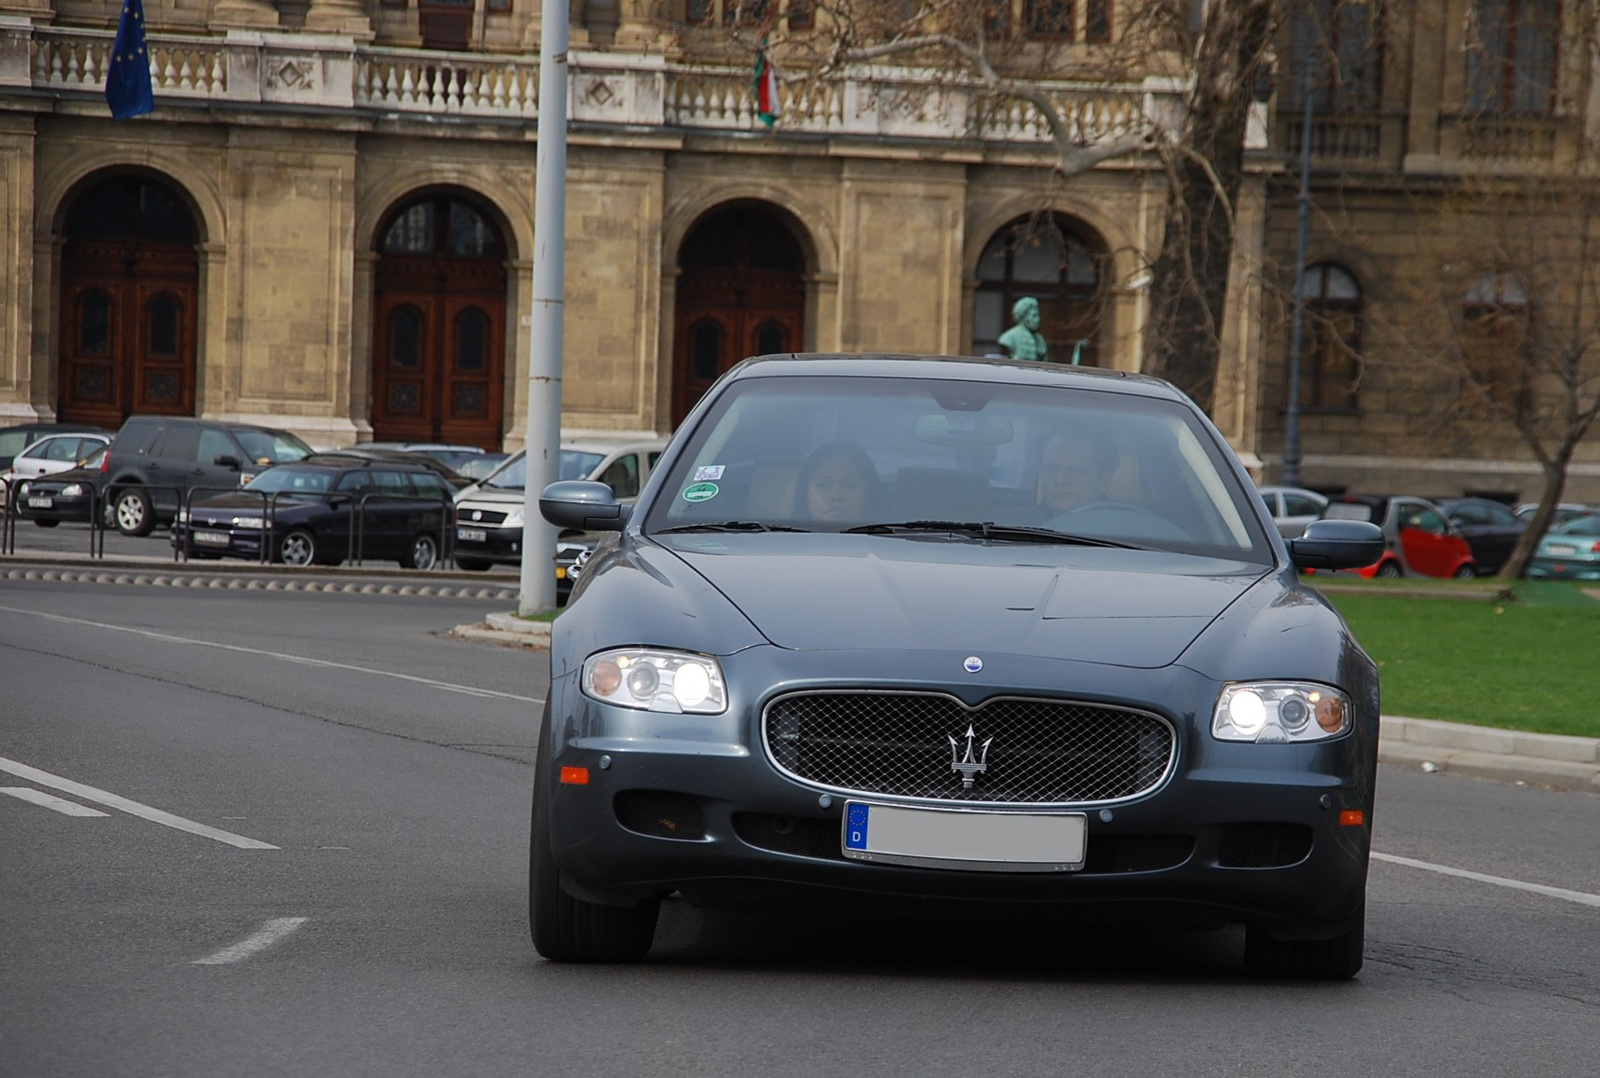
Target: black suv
(155, 461)
(323, 509)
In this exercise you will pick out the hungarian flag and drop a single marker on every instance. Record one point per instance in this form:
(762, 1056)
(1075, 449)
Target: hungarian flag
(765, 87)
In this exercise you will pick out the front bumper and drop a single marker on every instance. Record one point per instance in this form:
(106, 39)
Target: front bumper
(1238, 832)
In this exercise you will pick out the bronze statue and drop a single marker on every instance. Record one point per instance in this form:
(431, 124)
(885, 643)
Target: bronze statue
(1023, 340)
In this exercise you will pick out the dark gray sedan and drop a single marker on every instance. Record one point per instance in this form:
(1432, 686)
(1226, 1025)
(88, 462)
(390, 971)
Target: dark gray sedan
(954, 632)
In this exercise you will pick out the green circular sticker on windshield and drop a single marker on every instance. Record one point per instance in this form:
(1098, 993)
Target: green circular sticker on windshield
(699, 492)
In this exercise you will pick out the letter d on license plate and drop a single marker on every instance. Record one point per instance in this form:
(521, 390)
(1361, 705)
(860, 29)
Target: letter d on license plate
(965, 839)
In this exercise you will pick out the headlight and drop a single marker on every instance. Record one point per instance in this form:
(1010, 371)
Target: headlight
(182, 517)
(22, 489)
(513, 519)
(653, 680)
(71, 490)
(1276, 712)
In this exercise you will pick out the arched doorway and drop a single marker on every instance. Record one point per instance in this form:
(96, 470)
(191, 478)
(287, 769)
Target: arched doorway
(1059, 262)
(130, 286)
(439, 313)
(741, 293)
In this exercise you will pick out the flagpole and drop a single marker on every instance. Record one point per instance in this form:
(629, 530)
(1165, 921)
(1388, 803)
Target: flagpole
(546, 332)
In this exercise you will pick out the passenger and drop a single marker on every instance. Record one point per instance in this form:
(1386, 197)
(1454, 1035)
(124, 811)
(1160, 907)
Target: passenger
(837, 482)
(1075, 469)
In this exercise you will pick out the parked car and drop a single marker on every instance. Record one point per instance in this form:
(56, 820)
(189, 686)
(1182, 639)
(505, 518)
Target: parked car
(322, 510)
(489, 514)
(155, 461)
(1490, 528)
(805, 670)
(1569, 551)
(1292, 508)
(480, 467)
(1565, 511)
(14, 439)
(379, 451)
(1418, 540)
(49, 454)
(68, 495)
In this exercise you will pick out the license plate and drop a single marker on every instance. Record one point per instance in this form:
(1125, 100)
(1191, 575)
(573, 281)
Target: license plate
(212, 538)
(41, 503)
(953, 838)
(472, 535)
(1562, 548)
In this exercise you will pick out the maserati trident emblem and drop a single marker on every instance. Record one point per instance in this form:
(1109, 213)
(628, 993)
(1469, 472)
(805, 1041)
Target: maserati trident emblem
(972, 664)
(971, 763)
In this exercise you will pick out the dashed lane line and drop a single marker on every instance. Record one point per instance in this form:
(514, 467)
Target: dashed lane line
(272, 932)
(50, 801)
(133, 808)
(298, 660)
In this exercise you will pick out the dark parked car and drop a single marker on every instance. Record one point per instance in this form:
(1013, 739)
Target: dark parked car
(944, 631)
(322, 510)
(156, 460)
(14, 439)
(371, 451)
(1490, 528)
(63, 496)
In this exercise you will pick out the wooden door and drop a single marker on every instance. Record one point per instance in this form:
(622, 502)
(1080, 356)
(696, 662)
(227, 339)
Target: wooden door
(741, 293)
(129, 303)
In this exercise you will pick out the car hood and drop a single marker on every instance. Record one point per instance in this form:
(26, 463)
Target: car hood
(234, 501)
(1125, 607)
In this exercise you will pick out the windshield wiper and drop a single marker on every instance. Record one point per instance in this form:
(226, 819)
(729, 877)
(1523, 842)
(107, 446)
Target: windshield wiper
(730, 526)
(986, 530)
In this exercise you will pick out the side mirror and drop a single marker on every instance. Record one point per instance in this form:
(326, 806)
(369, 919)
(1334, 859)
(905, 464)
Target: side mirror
(583, 504)
(227, 460)
(1337, 544)
(338, 501)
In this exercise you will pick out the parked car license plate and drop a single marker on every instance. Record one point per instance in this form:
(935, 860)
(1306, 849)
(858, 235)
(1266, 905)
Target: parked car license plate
(41, 503)
(954, 838)
(1562, 548)
(212, 538)
(471, 535)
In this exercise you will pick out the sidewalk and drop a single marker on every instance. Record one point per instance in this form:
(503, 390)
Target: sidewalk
(1561, 763)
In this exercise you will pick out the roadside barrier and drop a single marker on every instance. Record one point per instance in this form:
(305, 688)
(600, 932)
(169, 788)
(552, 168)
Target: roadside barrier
(358, 513)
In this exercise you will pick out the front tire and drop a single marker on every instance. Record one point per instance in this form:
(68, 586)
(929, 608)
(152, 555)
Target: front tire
(1466, 572)
(423, 553)
(567, 929)
(133, 513)
(47, 523)
(1338, 958)
(299, 548)
(473, 565)
(1389, 569)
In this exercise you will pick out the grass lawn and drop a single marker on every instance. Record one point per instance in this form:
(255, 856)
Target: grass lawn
(1523, 659)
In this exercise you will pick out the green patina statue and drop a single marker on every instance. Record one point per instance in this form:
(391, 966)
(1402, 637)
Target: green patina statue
(1023, 340)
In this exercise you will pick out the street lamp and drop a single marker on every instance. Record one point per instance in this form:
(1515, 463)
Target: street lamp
(1291, 429)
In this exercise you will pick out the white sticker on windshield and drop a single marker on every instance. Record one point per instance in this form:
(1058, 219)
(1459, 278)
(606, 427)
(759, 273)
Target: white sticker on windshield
(708, 473)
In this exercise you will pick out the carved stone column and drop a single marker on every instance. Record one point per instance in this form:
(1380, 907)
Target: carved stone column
(243, 15)
(346, 17)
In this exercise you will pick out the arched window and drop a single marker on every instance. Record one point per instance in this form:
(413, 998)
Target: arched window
(1495, 322)
(1330, 361)
(1057, 262)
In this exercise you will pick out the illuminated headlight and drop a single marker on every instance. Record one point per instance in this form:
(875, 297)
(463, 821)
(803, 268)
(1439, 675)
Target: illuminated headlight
(71, 490)
(1277, 712)
(22, 489)
(249, 522)
(513, 519)
(182, 517)
(653, 680)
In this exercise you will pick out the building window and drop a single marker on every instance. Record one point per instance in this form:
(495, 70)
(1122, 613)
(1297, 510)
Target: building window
(1495, 324)
(1511, 56)
(1055, 262)
(1330, 360)
(751, 14)
(1340, 42)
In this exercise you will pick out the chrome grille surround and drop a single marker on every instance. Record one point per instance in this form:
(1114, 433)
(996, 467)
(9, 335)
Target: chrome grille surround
(897, 744)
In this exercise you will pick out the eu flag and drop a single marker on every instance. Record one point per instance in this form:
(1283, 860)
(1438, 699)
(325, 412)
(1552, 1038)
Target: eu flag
(128, 76)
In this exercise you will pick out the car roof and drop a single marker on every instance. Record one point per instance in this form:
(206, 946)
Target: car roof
(195, 421)
(340, 459)
(960, 368)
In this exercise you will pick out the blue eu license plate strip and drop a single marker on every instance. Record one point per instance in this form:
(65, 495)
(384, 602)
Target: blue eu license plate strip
(965, 839)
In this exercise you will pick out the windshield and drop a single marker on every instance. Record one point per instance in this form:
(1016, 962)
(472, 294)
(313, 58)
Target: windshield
(13, 442)
(272, 448)
(513, 474)
(301, 480)
(835, 454)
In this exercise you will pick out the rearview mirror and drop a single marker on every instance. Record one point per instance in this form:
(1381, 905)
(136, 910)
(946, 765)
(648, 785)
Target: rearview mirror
(1337, 544)
(227, 460)
(583, 504)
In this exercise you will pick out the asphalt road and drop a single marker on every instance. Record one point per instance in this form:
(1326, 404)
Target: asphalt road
(386, 766)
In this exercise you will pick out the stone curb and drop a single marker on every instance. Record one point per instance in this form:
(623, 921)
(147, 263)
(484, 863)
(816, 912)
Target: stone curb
(147, 577)
(508, 630)
(1559, 762)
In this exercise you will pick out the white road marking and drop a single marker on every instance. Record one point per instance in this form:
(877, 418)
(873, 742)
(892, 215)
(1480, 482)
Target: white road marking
(51, 801)
(259, 940)
(154, 815)
(1581, 897)
(301, 660)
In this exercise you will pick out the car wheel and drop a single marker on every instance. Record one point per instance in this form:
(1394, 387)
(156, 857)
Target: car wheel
(299, 548)
(1389, 569)
(47, 523)
(422, 554)
(567, 929)
(133, 513)
(1466, 572)
(1335, 959)
(473, 565)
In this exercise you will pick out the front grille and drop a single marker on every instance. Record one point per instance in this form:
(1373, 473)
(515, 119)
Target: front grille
(900, 744)
(660, 814)
(1264, 845)
(479, 517)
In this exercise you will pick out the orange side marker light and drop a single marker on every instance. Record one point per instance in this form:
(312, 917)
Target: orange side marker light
(579, 776)
(1347, 818)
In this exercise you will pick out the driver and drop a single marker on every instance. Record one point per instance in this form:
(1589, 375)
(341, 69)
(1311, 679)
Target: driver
(1075, 469)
